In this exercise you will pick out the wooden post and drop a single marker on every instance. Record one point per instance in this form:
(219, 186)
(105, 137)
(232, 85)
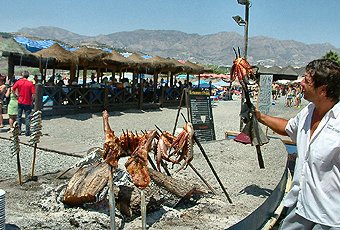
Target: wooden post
(141, 92)
(199, 81)
(98, 74)
(43, 77)
(171, 80)
(106, 98)
(38, 98)
(53, 71)
(155, 81)
(19, 168)
(168, 78)
(78, 73)
(84, 75)
(11, 65)
(161, 99)
(33, 161)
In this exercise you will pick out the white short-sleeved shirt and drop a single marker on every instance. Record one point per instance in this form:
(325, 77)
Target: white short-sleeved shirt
(316, 181)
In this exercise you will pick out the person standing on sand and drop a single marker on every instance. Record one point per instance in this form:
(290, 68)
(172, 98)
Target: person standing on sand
(314, 198)
(25, 90)
(12, 108)
(2, 96)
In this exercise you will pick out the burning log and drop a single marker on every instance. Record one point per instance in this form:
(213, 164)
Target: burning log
(86, 184)
(163, 190)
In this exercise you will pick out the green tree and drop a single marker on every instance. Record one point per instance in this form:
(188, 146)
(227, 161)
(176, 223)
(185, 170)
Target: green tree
(332, 56)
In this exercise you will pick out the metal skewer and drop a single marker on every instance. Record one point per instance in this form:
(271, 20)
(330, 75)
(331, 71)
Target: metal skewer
(250, 105)
(209, 163)
(178, 111)
(143, 209)
(112, 203)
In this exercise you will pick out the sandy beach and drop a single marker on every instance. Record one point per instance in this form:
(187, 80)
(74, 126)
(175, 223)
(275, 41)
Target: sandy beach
(36, 204)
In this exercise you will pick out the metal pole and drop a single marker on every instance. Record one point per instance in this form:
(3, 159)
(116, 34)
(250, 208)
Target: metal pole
(246, 29)
(245, 51)
(112, 202)
(143, 209)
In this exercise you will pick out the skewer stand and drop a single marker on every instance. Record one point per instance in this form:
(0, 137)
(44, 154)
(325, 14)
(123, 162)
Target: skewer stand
(209, 163)
(15, 148)
(35, 137)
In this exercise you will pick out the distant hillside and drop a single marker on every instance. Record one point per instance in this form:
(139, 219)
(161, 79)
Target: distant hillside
(207, 49)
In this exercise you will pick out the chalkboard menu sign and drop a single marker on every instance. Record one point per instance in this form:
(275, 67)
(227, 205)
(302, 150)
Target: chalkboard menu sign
(201, 115)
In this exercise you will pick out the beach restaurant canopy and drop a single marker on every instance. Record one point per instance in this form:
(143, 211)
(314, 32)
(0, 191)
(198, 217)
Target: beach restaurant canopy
(52, 55)
(286, 73)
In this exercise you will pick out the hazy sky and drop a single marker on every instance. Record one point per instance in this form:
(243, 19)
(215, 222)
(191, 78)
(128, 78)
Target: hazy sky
(308, 21)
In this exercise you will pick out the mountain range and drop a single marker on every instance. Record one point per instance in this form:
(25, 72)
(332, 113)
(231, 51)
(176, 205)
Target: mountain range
(214, 49)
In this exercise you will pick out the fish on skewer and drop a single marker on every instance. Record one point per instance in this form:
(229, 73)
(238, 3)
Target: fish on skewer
(176, 149)
(252, 133)
(112, 147)
(137, 164)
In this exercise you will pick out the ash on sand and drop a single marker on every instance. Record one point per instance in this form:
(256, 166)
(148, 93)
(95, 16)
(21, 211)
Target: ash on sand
(37, 204)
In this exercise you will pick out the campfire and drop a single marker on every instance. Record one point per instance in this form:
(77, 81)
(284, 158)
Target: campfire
(138, 188)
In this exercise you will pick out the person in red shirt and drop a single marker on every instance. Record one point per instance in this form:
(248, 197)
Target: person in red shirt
(25, 91)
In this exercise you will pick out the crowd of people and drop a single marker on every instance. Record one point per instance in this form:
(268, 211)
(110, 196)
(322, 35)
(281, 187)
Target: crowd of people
(292, 93)
(19, 97)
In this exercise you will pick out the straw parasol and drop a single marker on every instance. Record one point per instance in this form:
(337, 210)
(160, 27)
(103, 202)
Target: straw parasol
(115, 60)
(137, 62)
(177, 67)
(195, 68)
(62, 57)
(90, 57)
(160, 64)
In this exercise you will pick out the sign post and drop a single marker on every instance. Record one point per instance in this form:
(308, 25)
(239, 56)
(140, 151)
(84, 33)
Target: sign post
(265, 94)
(201, 117)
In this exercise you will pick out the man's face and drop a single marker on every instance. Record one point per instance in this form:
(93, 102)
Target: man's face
(307, 85)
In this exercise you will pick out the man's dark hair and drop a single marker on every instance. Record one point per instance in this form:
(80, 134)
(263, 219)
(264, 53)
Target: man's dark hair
(25, 74)
(326, 72)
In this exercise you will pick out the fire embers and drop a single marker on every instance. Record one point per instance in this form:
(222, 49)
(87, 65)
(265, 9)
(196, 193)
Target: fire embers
(35, 128)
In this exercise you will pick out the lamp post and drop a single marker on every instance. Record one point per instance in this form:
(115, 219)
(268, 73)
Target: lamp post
(239, 20)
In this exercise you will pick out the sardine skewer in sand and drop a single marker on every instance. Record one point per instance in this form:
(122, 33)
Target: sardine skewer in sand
(112, 153)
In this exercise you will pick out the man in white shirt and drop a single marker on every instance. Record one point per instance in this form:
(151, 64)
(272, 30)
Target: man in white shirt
(314, 198)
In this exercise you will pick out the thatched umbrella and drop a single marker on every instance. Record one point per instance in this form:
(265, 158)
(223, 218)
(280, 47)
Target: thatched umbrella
(177, 67)
(136, 60)
(193, 68)
(115, 60)
(63, 59)
(90, 58)
(160, 64)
